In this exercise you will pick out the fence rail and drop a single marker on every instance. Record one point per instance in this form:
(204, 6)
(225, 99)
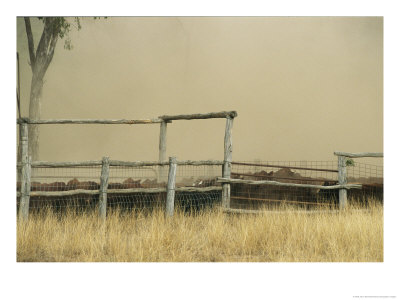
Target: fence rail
(281, 166)
(267, 182)
(89, 121)
(361, 154)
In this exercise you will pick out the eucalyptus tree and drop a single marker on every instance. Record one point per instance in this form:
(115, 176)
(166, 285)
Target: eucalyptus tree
(54, 28)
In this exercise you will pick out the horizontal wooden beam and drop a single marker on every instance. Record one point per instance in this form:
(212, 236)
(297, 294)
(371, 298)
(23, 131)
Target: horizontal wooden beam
(90, 121)
(282, 167)
(137, 190)
(290, 178)
(51, 164)
(212, 115)
(200, 162)
(250, 211)
(120, 191)
(63, 193)
(281, 201)
(360, 154)
(198, 189)
(119, 163)
(267, 182)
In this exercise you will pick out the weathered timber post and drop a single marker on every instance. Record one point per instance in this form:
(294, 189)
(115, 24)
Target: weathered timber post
(169, 210)
(342, 179)
(105, 170)
(25, 175)
(162, 154)
(226, 169)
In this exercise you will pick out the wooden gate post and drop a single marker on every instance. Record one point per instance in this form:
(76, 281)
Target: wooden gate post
(169, 210)
(105, 169)
(226, 169)
(25, 174)
(342, 179)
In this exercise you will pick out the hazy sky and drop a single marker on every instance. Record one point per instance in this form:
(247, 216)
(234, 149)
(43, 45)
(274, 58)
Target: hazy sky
(303, 87)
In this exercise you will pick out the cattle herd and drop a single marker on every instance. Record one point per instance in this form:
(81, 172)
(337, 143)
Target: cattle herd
(242, 195)
(254, 196)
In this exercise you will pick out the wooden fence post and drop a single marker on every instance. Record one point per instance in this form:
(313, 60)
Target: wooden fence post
(169, 210)
(25, 175)
(226, 169)
(342, 179)
(103, 187)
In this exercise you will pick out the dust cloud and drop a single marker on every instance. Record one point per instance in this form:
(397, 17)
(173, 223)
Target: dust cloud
(303, 87)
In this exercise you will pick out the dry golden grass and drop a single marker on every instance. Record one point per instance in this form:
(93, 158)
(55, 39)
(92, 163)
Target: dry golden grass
(211, 236)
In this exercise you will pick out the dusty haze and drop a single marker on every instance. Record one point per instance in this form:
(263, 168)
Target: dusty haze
(303, 87)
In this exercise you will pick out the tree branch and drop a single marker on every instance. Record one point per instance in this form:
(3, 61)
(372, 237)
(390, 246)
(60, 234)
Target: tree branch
(45, 48)
(31, 45)
(52, 46)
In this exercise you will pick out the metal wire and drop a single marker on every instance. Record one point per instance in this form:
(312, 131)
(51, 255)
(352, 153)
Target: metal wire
(205, 191)
(324, 173)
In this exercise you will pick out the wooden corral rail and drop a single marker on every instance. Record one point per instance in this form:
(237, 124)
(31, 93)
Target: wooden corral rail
(281, 201)
(213, 115)
(285, 178)
(311, 212)
(89, 121)
(165, 118)
(361, 154)
(120, 163)
(342, 168)
(268, 182)
(279, 166)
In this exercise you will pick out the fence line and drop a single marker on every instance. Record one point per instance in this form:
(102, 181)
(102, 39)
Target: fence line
(103, 189)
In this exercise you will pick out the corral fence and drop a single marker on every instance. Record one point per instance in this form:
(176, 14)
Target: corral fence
(308, 184)
(155, 181)
(190, 185)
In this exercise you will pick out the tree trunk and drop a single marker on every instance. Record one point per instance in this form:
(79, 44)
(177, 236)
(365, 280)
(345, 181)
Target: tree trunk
(34, 114)
(39, 62)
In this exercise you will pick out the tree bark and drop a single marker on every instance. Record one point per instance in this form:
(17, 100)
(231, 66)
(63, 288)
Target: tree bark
(34, 113)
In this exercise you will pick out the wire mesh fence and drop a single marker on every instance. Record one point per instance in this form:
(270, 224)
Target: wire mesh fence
(317, 173)
(143, 188)
(369, 175)
(197, 187)
(139, 188)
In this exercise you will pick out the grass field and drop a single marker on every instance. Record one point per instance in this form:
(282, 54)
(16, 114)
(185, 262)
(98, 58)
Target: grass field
(211, 236)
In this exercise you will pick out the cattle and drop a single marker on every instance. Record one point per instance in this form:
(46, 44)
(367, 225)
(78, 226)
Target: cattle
(254, 196)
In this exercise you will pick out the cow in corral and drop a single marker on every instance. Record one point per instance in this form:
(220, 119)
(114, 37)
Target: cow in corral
(255, 196)
(130, 183)
(151, 183)
(75, 184)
